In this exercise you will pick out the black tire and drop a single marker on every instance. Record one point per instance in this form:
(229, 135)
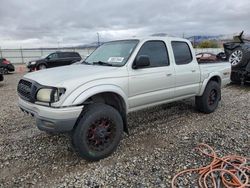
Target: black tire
(98, 132)
(242, 60)
(208, 102)
(41, 67)
(5, 71)
(1, 77)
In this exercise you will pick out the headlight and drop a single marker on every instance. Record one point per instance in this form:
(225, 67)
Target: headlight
(33, 63)
(49, 95)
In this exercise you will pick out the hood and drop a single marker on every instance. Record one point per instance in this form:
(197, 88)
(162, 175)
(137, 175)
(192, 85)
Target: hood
(57, 76)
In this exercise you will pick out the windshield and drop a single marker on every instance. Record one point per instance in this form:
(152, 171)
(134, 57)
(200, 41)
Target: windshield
(114, 53)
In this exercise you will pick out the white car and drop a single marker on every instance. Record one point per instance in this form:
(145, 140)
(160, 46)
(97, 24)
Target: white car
(92, 99)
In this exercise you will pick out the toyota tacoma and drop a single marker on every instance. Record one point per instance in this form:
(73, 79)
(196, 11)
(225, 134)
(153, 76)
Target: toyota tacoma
(92, 99)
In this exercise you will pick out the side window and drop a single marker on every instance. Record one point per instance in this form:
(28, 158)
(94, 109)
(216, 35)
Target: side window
(70, 54)
(74, 54)
(157, 52)
(61, 55)
(53, 56)
(182, 52)
(65, 55)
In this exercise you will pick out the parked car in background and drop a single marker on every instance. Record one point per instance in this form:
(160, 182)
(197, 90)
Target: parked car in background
(55, 59)
(1, 74)
(6, 65)
(238, 54)
(92, 99)
(206, 57)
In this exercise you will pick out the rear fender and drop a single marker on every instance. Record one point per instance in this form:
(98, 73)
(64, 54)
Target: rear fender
(205, 82)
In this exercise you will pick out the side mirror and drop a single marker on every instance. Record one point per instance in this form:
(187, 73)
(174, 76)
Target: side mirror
(141, 61)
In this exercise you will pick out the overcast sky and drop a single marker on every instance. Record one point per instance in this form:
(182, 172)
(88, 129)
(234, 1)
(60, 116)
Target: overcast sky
(41, 23)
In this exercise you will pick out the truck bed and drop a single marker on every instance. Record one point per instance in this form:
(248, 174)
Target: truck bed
(223, 68)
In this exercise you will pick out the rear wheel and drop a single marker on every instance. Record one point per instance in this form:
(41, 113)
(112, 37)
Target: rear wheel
(209, 101)
(98, 132)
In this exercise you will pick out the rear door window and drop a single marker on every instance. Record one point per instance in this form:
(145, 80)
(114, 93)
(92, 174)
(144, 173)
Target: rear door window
(182, 52)
(65, 55)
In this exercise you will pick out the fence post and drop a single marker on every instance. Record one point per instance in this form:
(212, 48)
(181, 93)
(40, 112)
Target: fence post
(21, 54)
(1, 52)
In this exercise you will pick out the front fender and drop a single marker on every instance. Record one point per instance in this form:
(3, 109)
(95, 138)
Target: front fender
(85, 94)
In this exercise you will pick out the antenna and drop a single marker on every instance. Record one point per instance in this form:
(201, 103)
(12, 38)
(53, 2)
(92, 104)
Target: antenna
(98, 39)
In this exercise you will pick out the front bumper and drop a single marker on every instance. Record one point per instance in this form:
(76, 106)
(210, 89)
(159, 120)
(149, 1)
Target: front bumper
(52, 119)
(31, 66)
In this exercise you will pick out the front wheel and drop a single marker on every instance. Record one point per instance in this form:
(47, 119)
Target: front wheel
(41, 67)
(98, 132)
(209, 101)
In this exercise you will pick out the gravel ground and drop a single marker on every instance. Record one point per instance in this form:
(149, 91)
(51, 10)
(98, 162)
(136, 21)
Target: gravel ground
(160, 144)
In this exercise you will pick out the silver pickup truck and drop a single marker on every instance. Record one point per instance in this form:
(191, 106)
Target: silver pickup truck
(92, 99)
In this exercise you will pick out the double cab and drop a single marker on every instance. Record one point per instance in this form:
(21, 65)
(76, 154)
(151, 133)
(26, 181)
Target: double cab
(92, 99)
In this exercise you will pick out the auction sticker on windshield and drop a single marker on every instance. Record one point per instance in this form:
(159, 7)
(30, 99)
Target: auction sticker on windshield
(115, 59)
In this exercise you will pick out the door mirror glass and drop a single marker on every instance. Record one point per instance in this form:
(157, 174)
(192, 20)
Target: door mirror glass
(141, 62)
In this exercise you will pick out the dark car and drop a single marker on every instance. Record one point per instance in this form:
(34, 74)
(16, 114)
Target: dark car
(238, 54)
(6, 66)
(55, 59)
(206, 57)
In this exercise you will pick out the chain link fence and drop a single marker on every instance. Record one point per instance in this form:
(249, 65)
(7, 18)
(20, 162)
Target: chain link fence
(20, 56)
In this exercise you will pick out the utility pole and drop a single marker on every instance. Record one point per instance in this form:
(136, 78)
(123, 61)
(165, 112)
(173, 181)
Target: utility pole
(1, 52)
(21, 50)
(98, 39)
(194, 41)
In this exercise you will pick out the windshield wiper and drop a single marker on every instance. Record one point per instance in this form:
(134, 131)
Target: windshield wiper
(102, 63)
(85, 62)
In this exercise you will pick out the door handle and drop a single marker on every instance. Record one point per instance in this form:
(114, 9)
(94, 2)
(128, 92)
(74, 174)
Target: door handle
(169, 74)
(193, 70)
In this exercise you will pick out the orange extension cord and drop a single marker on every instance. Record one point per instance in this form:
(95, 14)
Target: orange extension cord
(229, 171)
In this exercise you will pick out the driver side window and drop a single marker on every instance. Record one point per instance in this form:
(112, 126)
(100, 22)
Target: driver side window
(157, 53)
(52, 56)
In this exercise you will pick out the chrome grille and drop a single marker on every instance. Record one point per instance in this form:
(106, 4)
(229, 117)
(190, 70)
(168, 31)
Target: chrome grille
(24, 89)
